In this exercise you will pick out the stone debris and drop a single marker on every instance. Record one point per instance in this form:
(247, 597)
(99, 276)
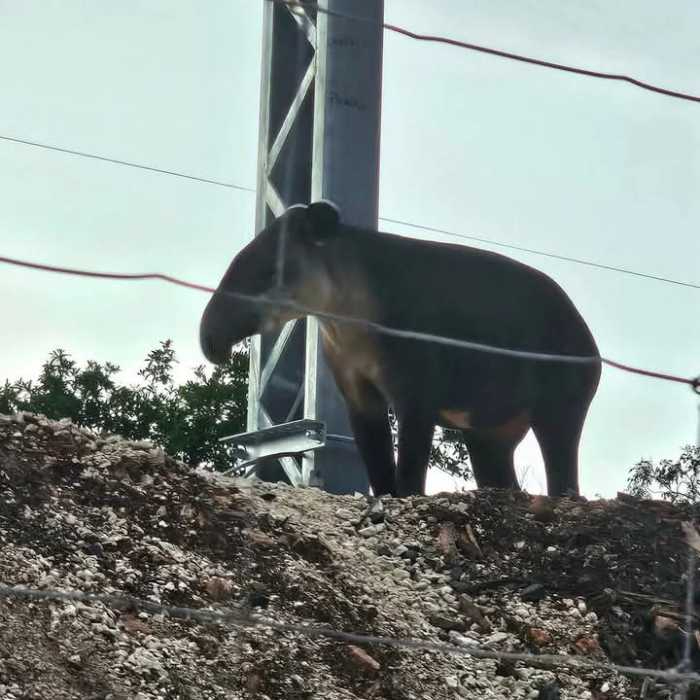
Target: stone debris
(598, 580)
(363, 659)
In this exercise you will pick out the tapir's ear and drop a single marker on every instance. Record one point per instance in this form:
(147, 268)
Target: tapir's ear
(322, 221)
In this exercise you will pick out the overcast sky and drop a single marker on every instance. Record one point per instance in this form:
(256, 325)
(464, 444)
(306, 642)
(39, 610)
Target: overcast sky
(470, 143)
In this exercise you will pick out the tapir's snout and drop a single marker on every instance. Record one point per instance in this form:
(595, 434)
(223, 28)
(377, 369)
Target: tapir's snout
(214, 347)
(223, 325)
(216, 354)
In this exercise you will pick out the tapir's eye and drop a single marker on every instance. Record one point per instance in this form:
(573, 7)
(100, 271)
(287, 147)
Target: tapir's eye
(272, 276)
(292, 268)
(268, 272)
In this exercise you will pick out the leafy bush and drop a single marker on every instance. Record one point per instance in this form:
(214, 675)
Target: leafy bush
(677, 480)
(448, 452)
(186, 420)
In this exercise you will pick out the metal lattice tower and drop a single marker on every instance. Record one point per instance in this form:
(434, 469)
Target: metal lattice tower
(319, 138)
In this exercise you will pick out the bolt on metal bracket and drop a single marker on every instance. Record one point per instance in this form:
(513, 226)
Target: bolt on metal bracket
(285, 440)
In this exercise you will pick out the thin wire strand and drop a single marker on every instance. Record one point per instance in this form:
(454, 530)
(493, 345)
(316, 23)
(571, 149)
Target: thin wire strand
(402, 222)
(243, 618)
(116, 161)
(555, 256)
(307, 310)
(372, 325)
(497, 52)
(689, 616)
(694, 382)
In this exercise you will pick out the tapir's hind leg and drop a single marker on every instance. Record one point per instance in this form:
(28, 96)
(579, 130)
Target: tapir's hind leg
(492, 460)
(558, 432)
(415, 440)
(370, 426)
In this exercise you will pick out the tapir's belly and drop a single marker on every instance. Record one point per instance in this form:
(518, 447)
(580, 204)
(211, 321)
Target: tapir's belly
(511, 426)
(489, 405)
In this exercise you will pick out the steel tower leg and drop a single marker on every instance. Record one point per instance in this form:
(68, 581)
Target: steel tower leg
(319, 138)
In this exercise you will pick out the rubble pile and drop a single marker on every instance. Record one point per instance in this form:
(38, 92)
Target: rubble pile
(601, 580)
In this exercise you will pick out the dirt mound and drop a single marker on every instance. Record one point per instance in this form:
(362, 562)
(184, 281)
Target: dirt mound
(599, 580)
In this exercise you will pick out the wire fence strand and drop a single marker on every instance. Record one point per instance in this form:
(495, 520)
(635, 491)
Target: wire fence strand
(432, 38)
(534, 251)
(401, 222)
(116, 161)
(244, 618)
(286, 303)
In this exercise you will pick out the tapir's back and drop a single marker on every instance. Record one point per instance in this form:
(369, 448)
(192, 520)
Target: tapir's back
(467, 293)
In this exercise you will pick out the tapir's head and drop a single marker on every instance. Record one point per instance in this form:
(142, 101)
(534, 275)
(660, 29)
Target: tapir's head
(299, 235)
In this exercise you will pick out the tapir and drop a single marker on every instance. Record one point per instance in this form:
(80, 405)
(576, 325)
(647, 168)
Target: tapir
(451, 291)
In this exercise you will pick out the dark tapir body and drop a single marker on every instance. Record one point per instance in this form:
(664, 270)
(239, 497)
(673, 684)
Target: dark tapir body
(446, 290)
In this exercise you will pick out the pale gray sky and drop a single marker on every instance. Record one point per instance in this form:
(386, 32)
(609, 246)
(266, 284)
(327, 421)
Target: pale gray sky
(470, 143)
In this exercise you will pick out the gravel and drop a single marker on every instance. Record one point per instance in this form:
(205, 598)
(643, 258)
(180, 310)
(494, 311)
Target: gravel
(81, 511)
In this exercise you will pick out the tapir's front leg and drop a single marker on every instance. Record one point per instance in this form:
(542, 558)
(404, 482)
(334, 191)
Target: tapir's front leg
(374, 443)
(415, 440)
(368, 412)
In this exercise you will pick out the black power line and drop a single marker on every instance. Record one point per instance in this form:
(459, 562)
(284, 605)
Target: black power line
(464, 236)
(495, 52)
(116, 161)
(288, 303)
(555, 256)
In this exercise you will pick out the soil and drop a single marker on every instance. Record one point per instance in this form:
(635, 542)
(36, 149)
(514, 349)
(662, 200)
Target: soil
(600, 580)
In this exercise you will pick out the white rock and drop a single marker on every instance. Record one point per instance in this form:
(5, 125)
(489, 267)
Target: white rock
(462, 641)
(498, 637)
(345, 514)
(372, 530)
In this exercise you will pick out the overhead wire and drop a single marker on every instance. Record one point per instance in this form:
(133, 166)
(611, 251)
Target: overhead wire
(533, 251)
(495, 52)
(129, 164)
(286, 303)
(401, 222)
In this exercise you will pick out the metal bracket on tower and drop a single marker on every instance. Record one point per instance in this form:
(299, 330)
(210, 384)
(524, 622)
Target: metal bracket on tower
(286, 440)
(318, 138)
